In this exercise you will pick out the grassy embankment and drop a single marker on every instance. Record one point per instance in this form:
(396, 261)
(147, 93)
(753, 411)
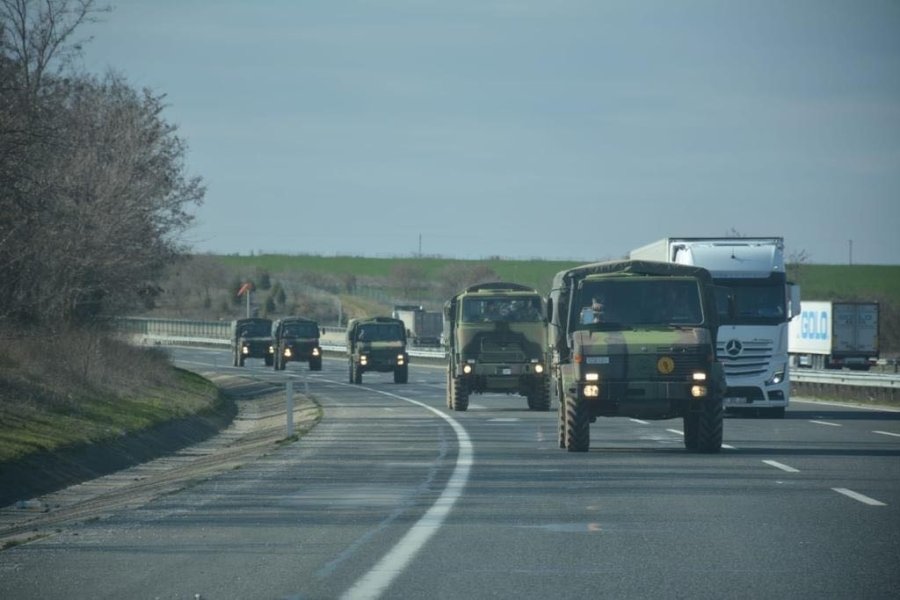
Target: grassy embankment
(62, 391)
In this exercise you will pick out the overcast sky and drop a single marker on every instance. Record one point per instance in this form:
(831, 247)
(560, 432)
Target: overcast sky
(521, 128)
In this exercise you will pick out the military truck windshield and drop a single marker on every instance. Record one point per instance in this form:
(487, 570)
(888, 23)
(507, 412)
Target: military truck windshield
(304, 330)
(635, 302)
(380, 332)
(756, 301)
(500, 308)
(254, 330)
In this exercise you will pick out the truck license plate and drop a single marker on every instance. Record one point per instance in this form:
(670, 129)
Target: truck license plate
(506, 371)
(735, 401)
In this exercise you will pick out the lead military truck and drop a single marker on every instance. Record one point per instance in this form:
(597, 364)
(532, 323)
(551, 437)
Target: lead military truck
(296, 339)
(252, 338)
(377, 344)
(496, 337)
(636, 339)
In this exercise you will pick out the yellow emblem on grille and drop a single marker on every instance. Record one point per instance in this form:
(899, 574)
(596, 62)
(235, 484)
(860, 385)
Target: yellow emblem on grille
(665, 365)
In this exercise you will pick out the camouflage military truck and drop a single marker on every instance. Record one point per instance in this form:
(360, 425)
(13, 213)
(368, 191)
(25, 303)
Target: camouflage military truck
(296, 339)
(636, 339)
(496, 338)
(377, 344)
(251, 338)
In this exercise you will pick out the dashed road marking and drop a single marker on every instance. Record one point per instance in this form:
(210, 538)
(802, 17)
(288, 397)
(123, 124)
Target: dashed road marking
(639, 421)
(887, 433)
(783, 467)
(859, 497)
(825, 423)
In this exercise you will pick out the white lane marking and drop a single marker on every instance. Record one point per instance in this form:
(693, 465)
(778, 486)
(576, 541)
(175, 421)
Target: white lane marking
(887, 433)
(825, 423)
(374, 583)
(859, 497)
(847, 405)
(505, 420)
(783, 467)
(727, 447)
(639, 421)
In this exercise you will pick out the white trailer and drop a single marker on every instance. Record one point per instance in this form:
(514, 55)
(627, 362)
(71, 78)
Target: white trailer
(423, 328)
(755, 304)
(833, 335)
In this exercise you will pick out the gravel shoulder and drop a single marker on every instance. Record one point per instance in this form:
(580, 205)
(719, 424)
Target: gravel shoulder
(252, 425)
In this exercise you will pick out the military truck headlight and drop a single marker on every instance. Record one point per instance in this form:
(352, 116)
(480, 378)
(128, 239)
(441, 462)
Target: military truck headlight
(778, 377)
(538, 368)
(591, 391)
(245, 349)
(698, 391)
(699, 376)
(363, 359)
(592, 376)
(315, 352)
(400, 359)
(271, 349)
(467, 369)
(287, 353)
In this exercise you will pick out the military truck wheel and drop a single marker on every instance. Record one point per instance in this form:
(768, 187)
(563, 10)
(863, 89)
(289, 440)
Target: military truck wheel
(460, 398)
(269, 360)
(561, 422)
(578, 425)
(241, 361)
(401, 374)
(357, 374)
(691, 430)
(276, 365)
(234, 358)
(709, 426)
(315, 364)
(539, 396)
(352, 376)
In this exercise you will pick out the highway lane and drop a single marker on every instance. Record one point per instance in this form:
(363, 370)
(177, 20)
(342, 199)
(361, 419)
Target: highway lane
(384, 478)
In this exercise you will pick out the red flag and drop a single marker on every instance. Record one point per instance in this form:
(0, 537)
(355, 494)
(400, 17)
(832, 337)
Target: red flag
(247, 287)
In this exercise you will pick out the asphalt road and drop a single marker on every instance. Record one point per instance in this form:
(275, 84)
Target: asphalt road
(391, 495)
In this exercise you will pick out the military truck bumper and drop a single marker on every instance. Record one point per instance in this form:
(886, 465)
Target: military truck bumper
(298, 351)
(641, 399)
(505, 377)
(381, 362)
(254, 349)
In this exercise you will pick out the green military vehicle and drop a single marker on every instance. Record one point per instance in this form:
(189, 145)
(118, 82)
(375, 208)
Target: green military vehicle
(251, 338)
(296, 339)
(496, 338)
(377, 344)
(636, 339)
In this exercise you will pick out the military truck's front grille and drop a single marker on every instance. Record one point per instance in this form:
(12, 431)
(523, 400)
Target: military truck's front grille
(497, 352)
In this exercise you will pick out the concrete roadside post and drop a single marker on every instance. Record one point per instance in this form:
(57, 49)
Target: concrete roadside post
(289, 392)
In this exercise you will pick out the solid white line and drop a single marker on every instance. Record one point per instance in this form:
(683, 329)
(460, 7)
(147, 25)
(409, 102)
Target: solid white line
(859, 497)
(783, 467)
(504, 420)
(847, 405)
(887, 433)
(826, 423)
(639, 421)
(727, 447)
(374, 583)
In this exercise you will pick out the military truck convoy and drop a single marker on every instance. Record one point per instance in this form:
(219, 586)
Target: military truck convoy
(496, 339)
(636, 339)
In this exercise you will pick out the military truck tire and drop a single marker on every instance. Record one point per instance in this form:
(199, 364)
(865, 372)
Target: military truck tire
(401, 374)
(357, 375)
(269, 360)
(561, 423)
(277, 365)
(234, 358)
(351, 376)
(460, 398)
(241, 361)
(539, 396)
(578, 425)
(691, 430)
(709, 426)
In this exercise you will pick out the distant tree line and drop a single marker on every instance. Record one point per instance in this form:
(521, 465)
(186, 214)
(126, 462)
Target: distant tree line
(94, 192)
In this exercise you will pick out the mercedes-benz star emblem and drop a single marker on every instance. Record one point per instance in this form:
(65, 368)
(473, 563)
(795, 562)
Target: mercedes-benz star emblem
(733, 347)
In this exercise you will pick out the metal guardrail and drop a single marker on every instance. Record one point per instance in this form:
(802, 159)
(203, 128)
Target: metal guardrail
(218, 333)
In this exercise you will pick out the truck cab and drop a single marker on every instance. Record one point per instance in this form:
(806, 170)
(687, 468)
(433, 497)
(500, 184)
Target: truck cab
(251, 338)
(636, 339)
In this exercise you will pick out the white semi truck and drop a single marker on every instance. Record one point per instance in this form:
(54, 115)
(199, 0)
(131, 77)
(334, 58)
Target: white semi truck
(755, 304)
(833, 335)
